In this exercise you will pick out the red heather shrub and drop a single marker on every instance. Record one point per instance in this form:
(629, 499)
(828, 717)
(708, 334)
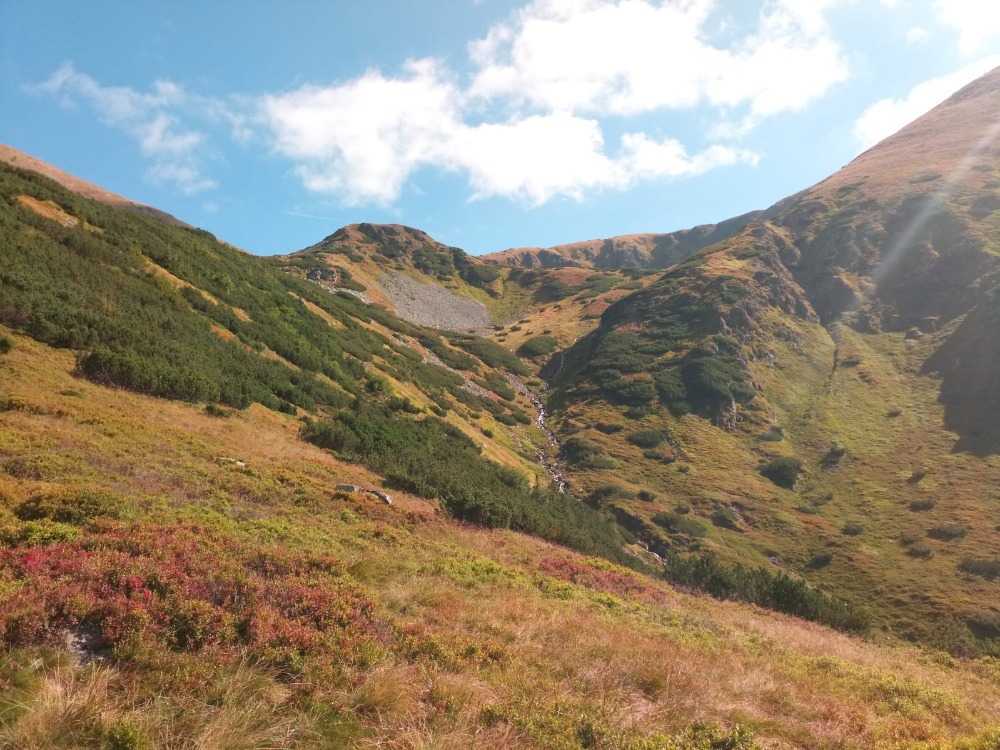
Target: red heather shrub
(186, 586)
(605, 581)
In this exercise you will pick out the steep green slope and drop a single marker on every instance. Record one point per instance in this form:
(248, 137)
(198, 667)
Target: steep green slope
(818, 393)
(171, 312)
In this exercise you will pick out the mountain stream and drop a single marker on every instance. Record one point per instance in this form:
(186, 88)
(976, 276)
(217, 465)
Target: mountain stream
(547, 455)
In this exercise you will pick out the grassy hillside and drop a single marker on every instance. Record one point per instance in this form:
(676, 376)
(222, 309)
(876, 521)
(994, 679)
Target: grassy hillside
(169, 311)
(816, 395)
(798, 420)
(175, 579)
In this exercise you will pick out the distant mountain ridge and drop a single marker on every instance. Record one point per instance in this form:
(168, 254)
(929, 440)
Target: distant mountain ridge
(626, 251)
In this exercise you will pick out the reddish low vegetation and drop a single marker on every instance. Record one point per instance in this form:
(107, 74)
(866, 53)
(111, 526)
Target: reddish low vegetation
(185, 588)
(606, 581)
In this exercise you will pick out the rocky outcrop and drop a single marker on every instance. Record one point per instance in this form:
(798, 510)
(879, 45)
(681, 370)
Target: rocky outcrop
(433, 305)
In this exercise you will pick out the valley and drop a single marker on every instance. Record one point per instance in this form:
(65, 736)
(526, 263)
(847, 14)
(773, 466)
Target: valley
(729, 487)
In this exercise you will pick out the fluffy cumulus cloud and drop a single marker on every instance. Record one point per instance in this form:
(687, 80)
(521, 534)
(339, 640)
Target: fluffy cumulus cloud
(150, 118)
(975, 21)
(363, 139)
(885, 117)
(529, 123)
(636, 56)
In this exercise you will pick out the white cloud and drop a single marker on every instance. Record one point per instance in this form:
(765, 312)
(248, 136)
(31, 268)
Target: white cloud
(362, 140)
(647, 158)
(533, 159)
(145, 117)
(917, 35)
(626, 57)
(885, 117)
(976, 21)
(529, 125)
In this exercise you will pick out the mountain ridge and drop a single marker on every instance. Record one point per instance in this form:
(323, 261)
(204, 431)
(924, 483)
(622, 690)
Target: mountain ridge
(21, 160)
(643, 250)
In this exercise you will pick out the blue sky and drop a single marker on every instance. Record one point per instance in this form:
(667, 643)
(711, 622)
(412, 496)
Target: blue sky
(487, 123)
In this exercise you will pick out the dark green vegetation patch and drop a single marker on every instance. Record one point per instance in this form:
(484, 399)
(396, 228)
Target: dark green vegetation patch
(98, 288)
(432, 459)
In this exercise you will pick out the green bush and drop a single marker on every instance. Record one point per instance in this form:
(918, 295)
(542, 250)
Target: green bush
(214, 410)
(947, 531)
(583, 454)
(783, 471)
(648, 438)
(988, 568)
(833, 456)
(125, 734)
(402, 403)
(638, 392)
(852, 528)
(491, 353)
(42, 531)
(538, 346)
(920, 550)
(6, 344)
(605, 492)
(433, 459)
(760, 586)
(725, 518)
(680, 523)
(922, 505)
(478, 273)
(820, 560)
(598, 463)
(75, 507)
(576, 451)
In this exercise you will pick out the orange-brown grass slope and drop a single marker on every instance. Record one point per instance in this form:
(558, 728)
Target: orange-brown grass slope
(174, 579)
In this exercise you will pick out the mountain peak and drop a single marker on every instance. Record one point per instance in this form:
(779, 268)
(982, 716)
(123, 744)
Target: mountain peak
(363, 236)
(938, 146)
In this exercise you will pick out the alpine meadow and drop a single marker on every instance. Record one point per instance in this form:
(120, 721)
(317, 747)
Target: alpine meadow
(733, 487)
